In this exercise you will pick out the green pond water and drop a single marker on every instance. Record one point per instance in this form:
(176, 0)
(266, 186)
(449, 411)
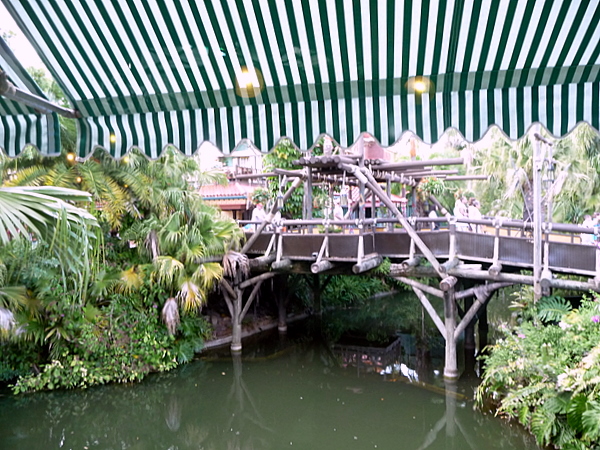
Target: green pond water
(298, 391)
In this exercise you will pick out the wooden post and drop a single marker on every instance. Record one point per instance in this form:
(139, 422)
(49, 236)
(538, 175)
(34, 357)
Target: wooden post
(537, 218)
(308, 199)
(470, 328)
(483, 327)
(388, 191)
(451, 364)
(368, 262)
(430, 310)
(452, 238)
(236, 321)
(496, 267)
(321, 266)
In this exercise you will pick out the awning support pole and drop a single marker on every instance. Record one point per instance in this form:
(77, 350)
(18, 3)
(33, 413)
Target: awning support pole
(10, 91)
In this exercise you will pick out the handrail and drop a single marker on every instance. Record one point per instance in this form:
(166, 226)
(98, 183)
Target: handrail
(505, 223)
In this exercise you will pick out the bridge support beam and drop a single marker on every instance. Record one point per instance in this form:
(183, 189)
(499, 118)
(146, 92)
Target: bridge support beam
(321, 266)
(369, 262)
(234, 298)
(450, 363)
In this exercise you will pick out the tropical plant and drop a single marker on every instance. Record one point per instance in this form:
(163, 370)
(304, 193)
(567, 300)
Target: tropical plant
(547, 374)
(282, 157)
(177, 234)
(571, 187)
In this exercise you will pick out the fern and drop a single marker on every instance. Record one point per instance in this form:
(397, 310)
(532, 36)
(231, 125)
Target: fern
(528, 395)
(543, 425)
(552, 309)
(577, 407)
(559, 404)
(524, 415)
(590, 421)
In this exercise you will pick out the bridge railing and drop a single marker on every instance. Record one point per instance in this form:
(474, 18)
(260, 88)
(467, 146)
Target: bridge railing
(508, 227)
(497, 242)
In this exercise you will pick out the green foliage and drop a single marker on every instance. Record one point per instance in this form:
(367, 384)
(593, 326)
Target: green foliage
(430, 186)
(351, 290)
(121, 342)
(509, 166)
(78, 326)
(282, 157)
(551, 309)
(547, 374)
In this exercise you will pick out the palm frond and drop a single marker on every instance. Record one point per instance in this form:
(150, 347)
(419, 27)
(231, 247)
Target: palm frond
(207, 274)
(236, 264)
(190, 296)
(167, 270)
(29, 176)
(170, 315)
(61, 176)
(129, 280)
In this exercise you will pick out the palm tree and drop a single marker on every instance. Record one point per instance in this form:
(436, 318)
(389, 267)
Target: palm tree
(48, 215)
(572, 184)
(178, 232)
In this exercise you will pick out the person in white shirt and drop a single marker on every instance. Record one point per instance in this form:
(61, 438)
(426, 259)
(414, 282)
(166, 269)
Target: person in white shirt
(461, 212)
(338, 211)
(433, 215)
(588, 222)
(474, 213)
(258, 214)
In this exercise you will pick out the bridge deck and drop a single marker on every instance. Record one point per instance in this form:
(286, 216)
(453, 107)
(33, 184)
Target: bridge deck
(562, 253)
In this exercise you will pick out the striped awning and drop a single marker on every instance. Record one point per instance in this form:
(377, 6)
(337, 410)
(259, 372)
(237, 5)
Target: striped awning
(21, 125)
(157, 72)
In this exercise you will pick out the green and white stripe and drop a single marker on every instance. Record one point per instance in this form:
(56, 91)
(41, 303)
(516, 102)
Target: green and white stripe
(159, 72)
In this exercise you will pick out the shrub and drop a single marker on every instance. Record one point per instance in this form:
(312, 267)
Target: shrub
(547, 375)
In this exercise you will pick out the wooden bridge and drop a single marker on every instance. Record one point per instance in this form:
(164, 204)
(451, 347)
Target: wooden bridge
(500, 251)
(471, 265)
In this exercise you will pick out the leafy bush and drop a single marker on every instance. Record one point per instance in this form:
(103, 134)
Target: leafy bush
(121, 342)
(548, 375)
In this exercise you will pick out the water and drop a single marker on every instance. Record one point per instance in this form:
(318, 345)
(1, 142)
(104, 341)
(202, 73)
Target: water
(296, 392)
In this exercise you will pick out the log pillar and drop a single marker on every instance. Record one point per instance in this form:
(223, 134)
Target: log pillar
(236, 321)
(483, 328)
(451, 363)
(469, 349)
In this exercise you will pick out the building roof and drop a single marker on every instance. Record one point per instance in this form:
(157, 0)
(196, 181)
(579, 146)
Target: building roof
(232, 196)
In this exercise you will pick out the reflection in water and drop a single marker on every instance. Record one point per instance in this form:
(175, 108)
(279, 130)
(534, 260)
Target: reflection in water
(297, 395)
(173, 414)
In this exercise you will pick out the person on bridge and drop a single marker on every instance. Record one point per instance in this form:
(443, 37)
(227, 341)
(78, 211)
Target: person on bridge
(258, 214)
(588, 222)
(433, 215)
(338, 211)
(461, 212)
(474, 213)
